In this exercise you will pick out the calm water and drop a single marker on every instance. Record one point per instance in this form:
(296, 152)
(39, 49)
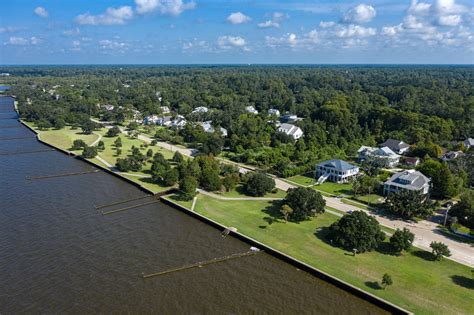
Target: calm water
(59, 255)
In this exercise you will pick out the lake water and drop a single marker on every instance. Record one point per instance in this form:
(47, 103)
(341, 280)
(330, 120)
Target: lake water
(59, 255)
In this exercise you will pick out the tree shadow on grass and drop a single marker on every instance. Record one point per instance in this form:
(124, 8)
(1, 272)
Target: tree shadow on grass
(463, 281)
(386, 249)
(424, 255)
(178, 197)
(373, 285)
(323, 234)
(273, 211)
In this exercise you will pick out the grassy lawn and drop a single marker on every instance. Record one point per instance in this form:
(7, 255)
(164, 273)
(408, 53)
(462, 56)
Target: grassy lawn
(302, 180)
(419, 283)
(335, 189)
(176, 198)
(374, 199)
(239, 192)
(63, 138)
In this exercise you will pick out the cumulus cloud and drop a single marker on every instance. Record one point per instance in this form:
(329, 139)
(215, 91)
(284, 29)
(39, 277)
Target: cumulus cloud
(41, 12)
(227, 42)
(21, 41)
(449, 20)
(362, 13)
(170, 7)
(276, 19)
(238, 18)
(112, 16)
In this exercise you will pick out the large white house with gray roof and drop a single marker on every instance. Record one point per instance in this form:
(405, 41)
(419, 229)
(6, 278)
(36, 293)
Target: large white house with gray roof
(382, 157)
(291, 130)
(337, 171)
(407, 180)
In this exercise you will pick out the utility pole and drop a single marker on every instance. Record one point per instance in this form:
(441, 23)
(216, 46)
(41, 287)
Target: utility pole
(446, 216)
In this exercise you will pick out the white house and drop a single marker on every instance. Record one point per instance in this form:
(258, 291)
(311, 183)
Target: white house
(151, 119)
(251, 110)
(396, 146)
(165, 121)
(451, 155)
(179, 121)
(290, 118)
(382, 157)
(337, 171)
(407, 180)
(200, 109)
(274, 112)
(207, 126)
(165, 109)
(469, 143)
(291, 130)
(108, 107)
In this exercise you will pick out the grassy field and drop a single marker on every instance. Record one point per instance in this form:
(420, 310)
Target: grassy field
(239, 192)
(420, 284)
(64, 138)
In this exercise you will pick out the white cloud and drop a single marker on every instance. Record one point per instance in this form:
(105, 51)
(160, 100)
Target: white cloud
(21, 41)
(112, 45)
(449, 20)
(10, 29)
(326, 24)
(392, 30)
(170, 7)
(227, 42)
(268, 24)
(72, 32)
(238, 18)
(41, 12)
(111, 16)
(354, 31)
(362, 13)
(15, 40)
(418, 8)
(276, 19)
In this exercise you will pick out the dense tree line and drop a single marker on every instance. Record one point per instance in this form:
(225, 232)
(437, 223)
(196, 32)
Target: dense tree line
(342, 107)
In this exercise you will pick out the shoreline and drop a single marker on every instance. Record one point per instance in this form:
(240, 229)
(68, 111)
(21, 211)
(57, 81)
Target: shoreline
(373, 299)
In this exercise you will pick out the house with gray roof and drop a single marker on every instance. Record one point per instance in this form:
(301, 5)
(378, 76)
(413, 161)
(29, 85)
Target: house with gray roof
(337, 171)
(396, 146)
(381, 157)
(407, 180)
(291, 130)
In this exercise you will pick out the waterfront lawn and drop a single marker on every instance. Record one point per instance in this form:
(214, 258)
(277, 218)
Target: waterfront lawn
(239, 192)
(63, 138)
(419, 284)
(176, 198)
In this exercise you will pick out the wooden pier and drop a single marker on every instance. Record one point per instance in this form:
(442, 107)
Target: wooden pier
(62, 175)
(131, 207)
(26, 152)
(201, 264)
(121, 202)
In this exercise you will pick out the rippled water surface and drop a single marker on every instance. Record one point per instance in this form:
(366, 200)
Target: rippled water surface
(59, 255)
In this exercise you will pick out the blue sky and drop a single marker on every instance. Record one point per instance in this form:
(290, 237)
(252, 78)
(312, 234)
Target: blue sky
(232, 31)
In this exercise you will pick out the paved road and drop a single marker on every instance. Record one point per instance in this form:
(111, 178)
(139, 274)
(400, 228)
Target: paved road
(425, 231)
